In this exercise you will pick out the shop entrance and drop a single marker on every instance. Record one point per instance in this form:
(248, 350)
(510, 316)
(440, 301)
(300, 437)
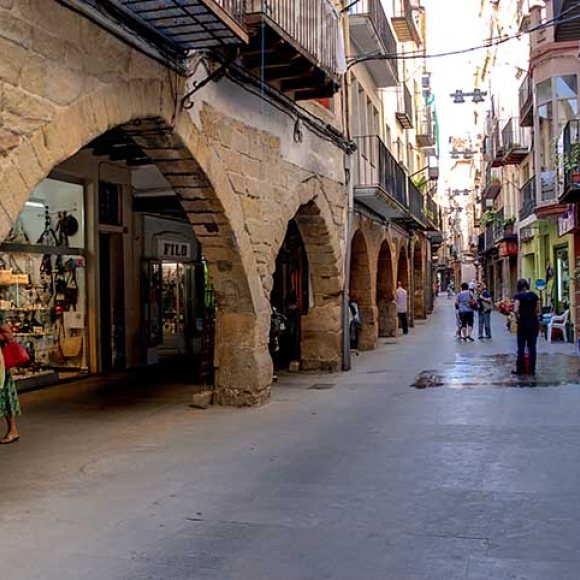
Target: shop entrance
(112, 302)
(289, 300)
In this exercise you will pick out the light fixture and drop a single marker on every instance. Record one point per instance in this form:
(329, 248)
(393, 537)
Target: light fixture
(478, 95)
(34, 204)
(458, 96)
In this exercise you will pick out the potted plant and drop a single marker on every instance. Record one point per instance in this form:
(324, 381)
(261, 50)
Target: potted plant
(508, 225)
(488, 217)
(571, 163)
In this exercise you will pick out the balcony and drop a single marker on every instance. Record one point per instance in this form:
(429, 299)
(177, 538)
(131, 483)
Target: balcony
(569, 173)
(405, 21)
(371, 33)
(492, 185)
(425, 133)
(295, 46)
(526, 100)
(431, 213)
(568, 11)
(503, 232)
(379, 180)
(404, 112)
(416, 206)
(528, 198)
(516, 142)
(487, 242)
(169, 29)
(496, 145)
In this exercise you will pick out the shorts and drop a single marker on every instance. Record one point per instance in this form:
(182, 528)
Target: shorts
(466, 319)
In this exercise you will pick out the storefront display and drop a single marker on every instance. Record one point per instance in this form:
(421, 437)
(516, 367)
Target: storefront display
(43, 284)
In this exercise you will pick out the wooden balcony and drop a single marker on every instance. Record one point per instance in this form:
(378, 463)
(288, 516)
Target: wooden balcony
(567, 15)
(371, 33)
(177, 26)
(404, 23)
(294, 46)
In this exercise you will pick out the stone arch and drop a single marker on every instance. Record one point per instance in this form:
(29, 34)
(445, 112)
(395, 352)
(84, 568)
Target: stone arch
(419, 306)
(387, 310)
(321, 328)
(146, 110)
(360, 291)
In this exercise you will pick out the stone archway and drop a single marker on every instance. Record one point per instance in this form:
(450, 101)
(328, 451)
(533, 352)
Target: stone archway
(360, 291)
(145, 110)
(321, 327)
(387, 310)
(419, 306)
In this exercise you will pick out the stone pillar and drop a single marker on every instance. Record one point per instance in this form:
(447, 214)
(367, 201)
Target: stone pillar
(244, 371)
(321, 345)
(387, 312)
(369, 333)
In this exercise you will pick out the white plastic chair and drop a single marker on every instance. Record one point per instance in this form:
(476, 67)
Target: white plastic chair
(559, 322)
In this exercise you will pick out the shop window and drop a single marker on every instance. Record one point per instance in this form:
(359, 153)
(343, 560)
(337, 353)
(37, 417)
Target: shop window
(110, 204)
(43, 283)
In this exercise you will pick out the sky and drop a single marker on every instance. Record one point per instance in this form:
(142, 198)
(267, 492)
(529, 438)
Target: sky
(453, 25)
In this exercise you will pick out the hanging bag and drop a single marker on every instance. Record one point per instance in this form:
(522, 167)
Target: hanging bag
(14, 354)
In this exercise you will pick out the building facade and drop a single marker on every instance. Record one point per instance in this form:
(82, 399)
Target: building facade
(168, 181)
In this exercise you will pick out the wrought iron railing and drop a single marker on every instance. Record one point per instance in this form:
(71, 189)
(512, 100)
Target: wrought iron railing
(376, 12)
(416, 202)
(571, 153)
(514, 136)
(528, 197)
(375, 166)
(234, 7)
(313, 24)
(526, 93)
(432, 211)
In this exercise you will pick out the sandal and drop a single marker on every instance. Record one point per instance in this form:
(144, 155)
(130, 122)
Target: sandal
(8, 440)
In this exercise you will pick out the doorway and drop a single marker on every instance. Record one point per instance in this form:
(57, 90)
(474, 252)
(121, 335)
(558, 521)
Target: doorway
(112, 302)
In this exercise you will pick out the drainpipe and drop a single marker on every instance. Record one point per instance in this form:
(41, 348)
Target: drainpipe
(347, 255)
(411, 266)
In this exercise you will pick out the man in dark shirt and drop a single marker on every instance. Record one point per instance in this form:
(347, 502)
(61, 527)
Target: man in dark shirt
(526, 309)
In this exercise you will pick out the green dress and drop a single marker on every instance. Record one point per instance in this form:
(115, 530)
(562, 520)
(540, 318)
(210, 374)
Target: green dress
(9, 404)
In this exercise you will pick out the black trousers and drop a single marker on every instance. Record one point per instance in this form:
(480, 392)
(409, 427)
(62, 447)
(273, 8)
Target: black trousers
(527, 338)
(403, 322)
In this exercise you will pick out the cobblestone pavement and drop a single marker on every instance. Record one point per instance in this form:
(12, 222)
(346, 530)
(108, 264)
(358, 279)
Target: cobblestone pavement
(341, 477)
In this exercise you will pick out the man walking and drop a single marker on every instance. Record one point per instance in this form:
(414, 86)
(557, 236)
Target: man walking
(465, 304)
(402, 299)
(526, 310)
(485, 305)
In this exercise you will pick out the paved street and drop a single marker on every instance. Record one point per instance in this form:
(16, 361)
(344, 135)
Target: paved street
(362, 476)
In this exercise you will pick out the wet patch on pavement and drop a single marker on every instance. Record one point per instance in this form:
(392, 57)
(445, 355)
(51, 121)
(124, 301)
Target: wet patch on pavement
(321, 386)
(471, 371)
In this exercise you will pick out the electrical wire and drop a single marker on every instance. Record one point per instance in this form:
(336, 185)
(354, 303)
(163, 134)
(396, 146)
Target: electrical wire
(491, 42)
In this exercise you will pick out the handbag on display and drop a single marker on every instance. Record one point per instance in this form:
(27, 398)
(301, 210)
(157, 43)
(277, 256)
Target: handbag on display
(72, 346)
(14, 354)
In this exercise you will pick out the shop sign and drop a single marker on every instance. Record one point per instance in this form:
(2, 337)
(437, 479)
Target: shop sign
(172, 250)
(508, 248)
(566, 222)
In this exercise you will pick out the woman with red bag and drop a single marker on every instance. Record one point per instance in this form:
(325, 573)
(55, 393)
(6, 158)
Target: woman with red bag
(9, 405)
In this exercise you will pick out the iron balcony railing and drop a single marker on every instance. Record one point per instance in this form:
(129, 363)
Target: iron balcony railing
(526, 96)
(374, 9)
(416, 202)
(376, 167)
(489, 237)
(516, 141)
(313, 24)
(404, 111)
(571, 154)
(497, 226)
(432, 212)
(404, 21)
(528, 197)
(234, 7)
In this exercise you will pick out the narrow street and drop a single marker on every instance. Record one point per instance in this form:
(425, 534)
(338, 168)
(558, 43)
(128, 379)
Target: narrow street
(342, 476)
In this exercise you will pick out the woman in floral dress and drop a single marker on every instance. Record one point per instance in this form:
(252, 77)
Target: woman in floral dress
(9, 405)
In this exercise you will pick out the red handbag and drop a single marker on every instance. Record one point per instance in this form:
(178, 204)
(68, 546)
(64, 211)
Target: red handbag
(14, 354)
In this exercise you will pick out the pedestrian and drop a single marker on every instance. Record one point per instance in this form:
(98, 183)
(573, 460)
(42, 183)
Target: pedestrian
(354, 324)
(485, 307)
(526, 310)
(465, 304)
(402, 306)
(9, 405)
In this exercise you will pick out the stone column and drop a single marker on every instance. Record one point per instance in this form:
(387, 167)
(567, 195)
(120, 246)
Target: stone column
(322, 337)
(387, 313)
(244, 371)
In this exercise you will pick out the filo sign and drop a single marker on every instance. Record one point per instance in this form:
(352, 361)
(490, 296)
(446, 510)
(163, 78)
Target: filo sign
(172, 250)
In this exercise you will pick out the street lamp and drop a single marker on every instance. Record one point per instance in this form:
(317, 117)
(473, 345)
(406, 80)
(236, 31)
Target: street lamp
(477, 96)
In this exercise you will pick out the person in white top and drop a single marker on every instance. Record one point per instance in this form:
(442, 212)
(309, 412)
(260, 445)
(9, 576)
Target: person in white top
(402, 304)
